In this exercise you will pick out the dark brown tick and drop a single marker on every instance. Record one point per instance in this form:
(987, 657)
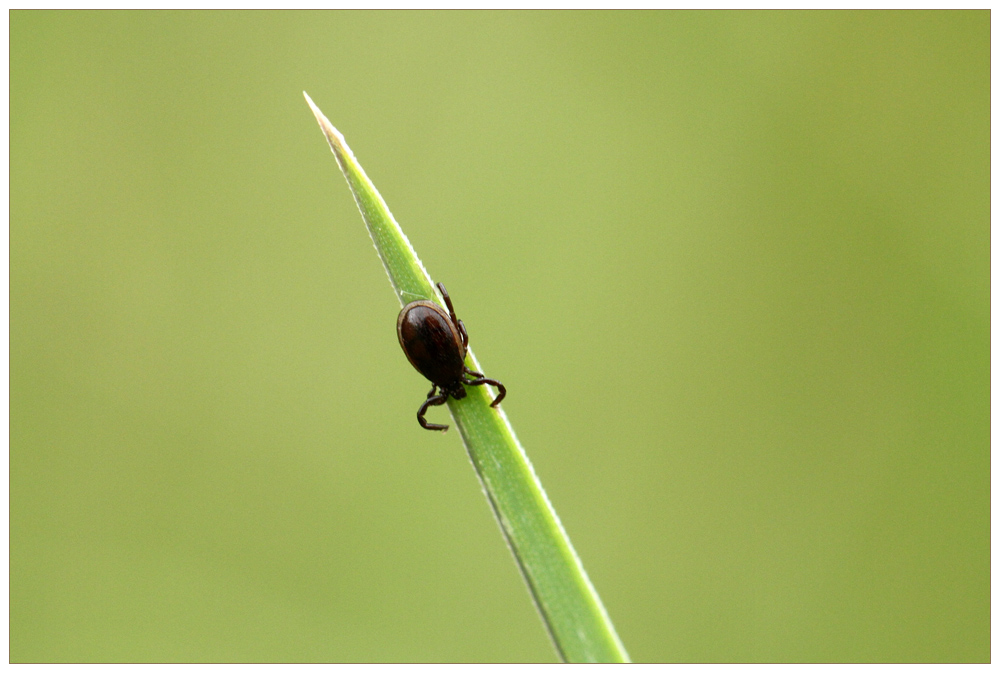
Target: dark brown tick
(435, 343)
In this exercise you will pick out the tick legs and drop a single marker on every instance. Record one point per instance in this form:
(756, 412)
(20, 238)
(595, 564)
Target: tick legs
(481, 380)
(432, 401)
(454, 318)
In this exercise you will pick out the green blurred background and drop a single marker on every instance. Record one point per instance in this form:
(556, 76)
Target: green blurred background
(733, 268)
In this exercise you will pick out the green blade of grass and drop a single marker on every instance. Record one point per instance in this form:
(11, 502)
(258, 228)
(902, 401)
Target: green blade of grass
(568, 603)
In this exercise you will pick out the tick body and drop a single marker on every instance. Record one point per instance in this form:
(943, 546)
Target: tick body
(435, 343)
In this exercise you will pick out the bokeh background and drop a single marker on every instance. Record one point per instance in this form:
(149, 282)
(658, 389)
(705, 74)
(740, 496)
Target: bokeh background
(733, 268)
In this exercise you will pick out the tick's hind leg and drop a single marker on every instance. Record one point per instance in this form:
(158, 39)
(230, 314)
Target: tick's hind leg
(432, 401)
(482, 380)
(454, 318)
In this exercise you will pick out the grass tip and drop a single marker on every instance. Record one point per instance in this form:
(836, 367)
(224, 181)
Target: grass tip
(333, 136)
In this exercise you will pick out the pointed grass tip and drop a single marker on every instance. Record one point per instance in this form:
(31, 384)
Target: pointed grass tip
(333, 136)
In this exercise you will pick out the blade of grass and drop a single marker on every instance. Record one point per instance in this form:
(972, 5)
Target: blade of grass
(568, 603)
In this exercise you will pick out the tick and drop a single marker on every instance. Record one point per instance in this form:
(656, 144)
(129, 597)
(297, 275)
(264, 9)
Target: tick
(435, 343)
